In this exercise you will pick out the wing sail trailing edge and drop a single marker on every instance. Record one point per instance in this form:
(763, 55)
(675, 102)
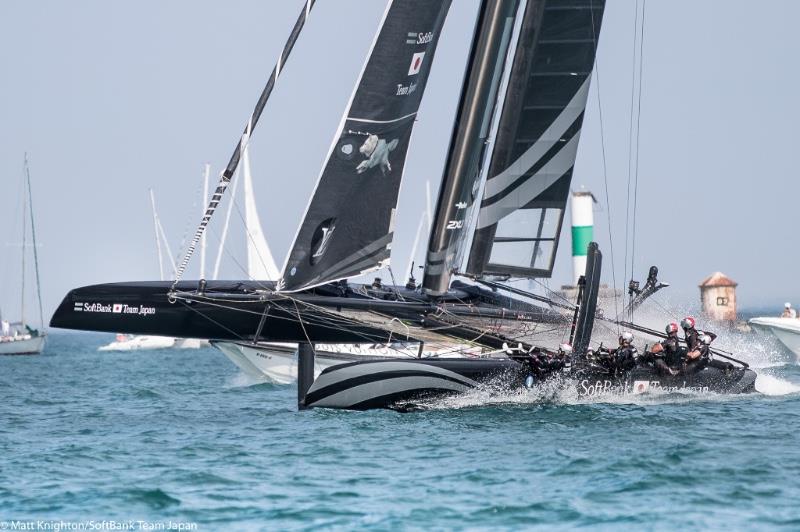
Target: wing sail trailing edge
(530, 167)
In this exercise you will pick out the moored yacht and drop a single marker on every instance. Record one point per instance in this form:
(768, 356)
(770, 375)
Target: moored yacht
(19, 338)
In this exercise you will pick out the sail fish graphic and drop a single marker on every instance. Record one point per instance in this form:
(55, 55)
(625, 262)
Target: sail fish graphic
(347, 228)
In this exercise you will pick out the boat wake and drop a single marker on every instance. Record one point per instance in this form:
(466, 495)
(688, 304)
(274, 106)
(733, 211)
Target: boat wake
(244, 380)
(564, 391)
(775, 386)
(557, 391)
(760, 351)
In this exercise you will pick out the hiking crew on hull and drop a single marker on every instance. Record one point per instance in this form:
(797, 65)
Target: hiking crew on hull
(666, 355)
(623, 358)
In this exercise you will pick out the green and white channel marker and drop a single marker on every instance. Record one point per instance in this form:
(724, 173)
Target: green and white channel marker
(582, 231)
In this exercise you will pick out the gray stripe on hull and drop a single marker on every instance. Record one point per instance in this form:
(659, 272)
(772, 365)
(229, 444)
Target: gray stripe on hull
(547, 140)
(365, 392)
(337, 375)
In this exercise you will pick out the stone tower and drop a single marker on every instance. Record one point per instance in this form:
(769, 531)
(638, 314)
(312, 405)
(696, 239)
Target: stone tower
(718, 297)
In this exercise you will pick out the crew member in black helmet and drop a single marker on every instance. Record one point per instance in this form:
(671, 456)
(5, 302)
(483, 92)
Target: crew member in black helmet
(621, 359)
(668, 356)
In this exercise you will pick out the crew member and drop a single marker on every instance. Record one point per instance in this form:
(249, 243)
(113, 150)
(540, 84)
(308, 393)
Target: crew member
(788, 311)
(690, 334)
(626, 354)
(621, 359)
(668, 356)
(703, 358)
(544, 363)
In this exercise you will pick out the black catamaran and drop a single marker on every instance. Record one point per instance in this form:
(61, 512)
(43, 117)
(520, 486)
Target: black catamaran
(499, 214)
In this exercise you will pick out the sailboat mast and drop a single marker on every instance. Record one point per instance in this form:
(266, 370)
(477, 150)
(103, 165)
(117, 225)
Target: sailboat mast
(24, 245)
(158, 237)
(33, 240)
(203, 239)
(227, 174)
(457, 193)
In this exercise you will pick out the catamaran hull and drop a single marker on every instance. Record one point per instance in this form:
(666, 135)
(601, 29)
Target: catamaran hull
(277, 363)
(387, 384)
(248, 310)
(144, 308)
(401, 383)
(28, 346)
(646, 380)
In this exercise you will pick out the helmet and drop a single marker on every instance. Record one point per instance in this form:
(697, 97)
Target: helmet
(671, 327)
(626, 337)
(787, 305)
(565, 348)
(706, 339)
(688, 322)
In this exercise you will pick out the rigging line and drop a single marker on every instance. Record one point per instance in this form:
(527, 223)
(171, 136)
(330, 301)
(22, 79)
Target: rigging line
(33, 240)
(669, 313)
(252, 240)
(603, 149)
(555, 295)
(238, 264)
(394, 283)
(274, 317)
(187, 224)
(336, 320)
(630, 141)
(302, 326)
(227, 174)
(638, 121)
(215, 322)
(369, 340)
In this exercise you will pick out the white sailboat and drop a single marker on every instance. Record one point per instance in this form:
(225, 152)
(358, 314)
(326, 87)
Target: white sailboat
(19, 338)
(139, 342)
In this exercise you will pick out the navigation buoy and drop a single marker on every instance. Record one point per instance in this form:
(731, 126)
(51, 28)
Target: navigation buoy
(582, 231)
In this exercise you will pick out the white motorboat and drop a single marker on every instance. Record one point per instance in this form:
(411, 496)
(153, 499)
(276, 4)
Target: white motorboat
(787, 330)
(125, 342)
(141, 342)
(277, 363)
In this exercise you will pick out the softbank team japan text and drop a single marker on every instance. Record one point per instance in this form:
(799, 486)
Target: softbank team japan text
(115, 308)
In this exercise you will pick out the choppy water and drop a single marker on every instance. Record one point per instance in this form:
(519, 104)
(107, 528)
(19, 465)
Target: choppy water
(182, 436)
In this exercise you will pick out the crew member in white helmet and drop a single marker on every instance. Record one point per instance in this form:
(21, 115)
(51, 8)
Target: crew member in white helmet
(788, 311)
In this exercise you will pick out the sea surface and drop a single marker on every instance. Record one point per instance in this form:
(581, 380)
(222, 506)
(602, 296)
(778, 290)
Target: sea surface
(168, 438)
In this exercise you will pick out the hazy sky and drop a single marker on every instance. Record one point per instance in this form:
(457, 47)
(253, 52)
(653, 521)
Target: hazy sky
(110, 98)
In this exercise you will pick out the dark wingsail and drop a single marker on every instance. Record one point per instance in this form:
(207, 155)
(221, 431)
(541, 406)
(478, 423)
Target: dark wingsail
(347, 229)
(459, 189)
(534, 151)
(538, 116)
